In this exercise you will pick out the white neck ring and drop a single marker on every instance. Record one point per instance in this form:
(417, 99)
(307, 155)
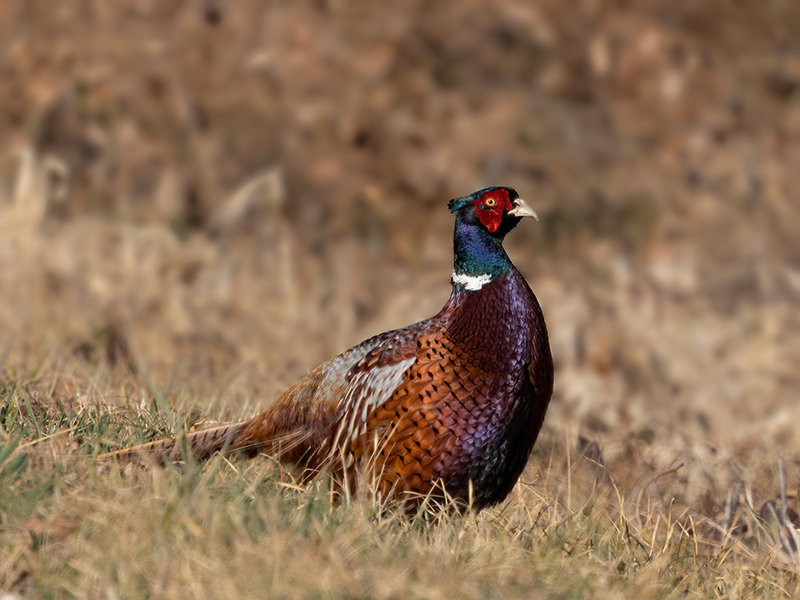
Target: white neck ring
(470, 282)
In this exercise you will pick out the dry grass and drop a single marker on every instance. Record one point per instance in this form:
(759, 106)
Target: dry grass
(245, 529)
(199, 203)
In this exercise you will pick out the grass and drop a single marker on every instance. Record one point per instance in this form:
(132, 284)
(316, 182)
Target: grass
(236, 528)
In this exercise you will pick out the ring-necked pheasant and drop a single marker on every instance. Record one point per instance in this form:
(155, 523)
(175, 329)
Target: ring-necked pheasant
(454, 401)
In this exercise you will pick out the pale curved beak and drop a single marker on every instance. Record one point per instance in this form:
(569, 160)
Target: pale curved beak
(521, 209)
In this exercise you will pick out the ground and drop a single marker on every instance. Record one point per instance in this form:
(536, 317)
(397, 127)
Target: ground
(201, 201)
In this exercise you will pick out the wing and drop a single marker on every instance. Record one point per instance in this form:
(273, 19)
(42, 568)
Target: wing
(331, 402)
(428, 412)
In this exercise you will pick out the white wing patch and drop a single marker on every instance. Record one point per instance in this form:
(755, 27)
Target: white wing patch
(368, 389)
(471, 282)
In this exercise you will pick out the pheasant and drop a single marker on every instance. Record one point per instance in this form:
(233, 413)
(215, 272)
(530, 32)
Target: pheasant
(450, 405)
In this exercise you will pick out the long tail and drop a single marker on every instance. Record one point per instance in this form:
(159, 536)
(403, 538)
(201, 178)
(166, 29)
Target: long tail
(198, 445)
(246, 437)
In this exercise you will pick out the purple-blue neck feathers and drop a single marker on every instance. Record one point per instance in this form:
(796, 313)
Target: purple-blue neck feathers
(476, 253)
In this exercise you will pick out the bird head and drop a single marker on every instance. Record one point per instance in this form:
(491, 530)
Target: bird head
(496, 209)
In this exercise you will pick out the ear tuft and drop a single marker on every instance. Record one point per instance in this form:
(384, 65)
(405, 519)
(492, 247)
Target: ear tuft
(458, 203)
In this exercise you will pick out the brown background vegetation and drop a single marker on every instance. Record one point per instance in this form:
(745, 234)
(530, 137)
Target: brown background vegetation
(216, 197)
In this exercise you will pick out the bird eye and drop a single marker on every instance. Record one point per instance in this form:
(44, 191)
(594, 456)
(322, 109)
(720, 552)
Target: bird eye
(490, 202)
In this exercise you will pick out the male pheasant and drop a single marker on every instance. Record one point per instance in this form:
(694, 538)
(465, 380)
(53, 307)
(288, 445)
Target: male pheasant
(453, 403)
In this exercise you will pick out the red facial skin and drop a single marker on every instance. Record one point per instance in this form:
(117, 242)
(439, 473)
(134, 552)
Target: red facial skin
(492, 216)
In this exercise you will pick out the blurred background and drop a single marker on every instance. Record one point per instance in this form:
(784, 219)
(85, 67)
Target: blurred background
(215, 197)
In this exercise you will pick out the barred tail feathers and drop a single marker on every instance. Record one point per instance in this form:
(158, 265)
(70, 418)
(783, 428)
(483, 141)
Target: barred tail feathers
(199, 445)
